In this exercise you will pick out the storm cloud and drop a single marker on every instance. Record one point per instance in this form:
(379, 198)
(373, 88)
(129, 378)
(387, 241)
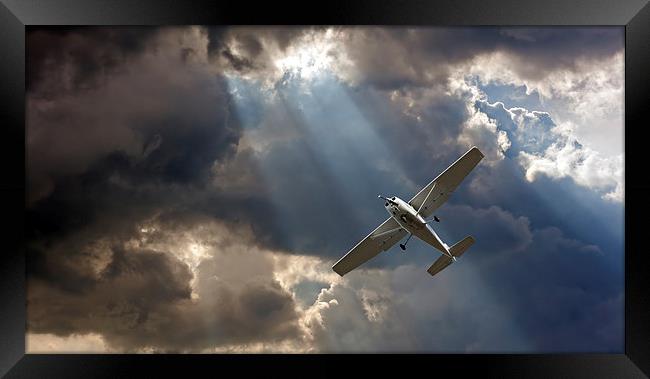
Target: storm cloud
(190, 187)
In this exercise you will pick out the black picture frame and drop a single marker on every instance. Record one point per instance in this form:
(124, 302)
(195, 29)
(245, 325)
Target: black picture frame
(16, 15)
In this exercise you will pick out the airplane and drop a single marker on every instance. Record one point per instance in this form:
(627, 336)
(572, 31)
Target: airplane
(411, 218)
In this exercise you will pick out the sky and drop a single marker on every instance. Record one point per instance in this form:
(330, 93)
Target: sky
(189, 188)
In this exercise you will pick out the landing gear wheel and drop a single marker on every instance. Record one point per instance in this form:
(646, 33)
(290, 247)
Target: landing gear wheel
(402, 246)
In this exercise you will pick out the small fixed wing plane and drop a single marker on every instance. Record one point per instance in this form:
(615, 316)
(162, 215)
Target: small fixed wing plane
(411, 218)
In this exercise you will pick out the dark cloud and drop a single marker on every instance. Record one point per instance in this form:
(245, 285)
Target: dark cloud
(529, 47)
(568, 297)
(249, 42)
(216, 36)
(80, 58)
(141, 293)
(157, 118)
(122, 296)
(130, 294)
(498, 301)
(238, 63)
(423, 56)
(105, 158)
(498, 231)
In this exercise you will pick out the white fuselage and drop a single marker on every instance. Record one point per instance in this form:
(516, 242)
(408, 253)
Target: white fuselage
(406, 216)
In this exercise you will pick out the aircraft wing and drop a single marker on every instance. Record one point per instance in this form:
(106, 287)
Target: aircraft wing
(445, 183)
(380, 239)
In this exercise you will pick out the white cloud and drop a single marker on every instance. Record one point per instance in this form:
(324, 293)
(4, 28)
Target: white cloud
(590, 96)
(534, 138)
(481, 131)
(585, 166)
(75, 343)
(310, 54)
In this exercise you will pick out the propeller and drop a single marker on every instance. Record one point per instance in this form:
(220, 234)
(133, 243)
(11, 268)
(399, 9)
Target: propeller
(387, 199)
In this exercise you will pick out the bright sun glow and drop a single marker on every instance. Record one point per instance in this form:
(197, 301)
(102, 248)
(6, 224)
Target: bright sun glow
(312, 56)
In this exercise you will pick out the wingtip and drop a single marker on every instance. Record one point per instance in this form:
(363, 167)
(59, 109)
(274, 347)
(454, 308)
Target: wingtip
(478, 150)
(334, 269)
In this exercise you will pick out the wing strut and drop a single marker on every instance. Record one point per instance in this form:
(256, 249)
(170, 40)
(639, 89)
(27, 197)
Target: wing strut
(385, 233)
(426, 198)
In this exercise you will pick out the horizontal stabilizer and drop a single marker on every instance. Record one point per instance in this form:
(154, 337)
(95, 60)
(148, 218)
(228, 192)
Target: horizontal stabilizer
(461, 246)
(457, 250)
(439, 265)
